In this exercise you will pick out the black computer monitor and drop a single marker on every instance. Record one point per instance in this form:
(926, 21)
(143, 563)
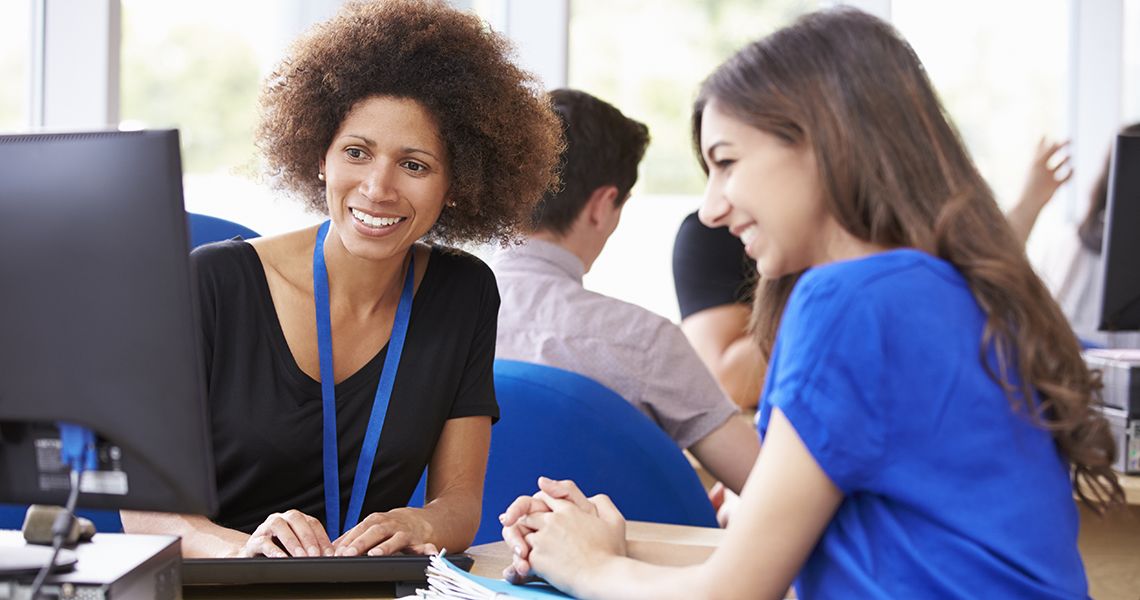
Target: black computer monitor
(97, 322)
(1120, 308)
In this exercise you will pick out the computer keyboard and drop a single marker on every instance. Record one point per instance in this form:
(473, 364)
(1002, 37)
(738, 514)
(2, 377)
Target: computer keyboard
(332, 569)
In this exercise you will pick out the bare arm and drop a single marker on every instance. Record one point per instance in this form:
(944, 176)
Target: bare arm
(720, 337)
(201, 538)
(785, 508)
(729, 452)
(1048, 171)
(450, 517)
(449, 520)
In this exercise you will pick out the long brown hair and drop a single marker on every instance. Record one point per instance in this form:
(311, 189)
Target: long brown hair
(895, 173)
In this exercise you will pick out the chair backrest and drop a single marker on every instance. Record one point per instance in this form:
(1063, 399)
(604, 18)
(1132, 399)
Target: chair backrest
(205, 229)
(566, 426)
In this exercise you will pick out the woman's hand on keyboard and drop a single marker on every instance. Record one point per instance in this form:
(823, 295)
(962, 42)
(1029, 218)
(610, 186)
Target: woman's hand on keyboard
(291, 533)
(381, 534)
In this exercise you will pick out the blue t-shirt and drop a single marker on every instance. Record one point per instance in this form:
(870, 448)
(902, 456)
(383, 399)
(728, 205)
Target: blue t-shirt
(948, 492)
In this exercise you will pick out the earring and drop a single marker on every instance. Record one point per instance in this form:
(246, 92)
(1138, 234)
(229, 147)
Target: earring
(320, 176)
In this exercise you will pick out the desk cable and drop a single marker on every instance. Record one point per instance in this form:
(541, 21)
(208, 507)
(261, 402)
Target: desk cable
(59, 529)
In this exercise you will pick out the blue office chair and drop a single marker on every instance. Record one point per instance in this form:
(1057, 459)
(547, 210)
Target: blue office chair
(565, 426)
(205, 229)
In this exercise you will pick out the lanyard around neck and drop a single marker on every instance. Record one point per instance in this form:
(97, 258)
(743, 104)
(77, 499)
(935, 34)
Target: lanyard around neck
(328, 393)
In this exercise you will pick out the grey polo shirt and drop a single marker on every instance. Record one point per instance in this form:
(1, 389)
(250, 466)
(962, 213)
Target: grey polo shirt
(547, 317)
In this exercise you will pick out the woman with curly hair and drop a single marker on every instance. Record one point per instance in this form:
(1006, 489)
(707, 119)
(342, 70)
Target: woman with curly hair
(345, 358)
(926, 416)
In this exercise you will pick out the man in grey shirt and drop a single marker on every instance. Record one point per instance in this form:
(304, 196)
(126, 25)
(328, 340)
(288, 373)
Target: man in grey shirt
(547, 317)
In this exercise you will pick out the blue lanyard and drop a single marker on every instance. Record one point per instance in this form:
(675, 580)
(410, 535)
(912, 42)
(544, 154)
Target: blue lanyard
(328, 393)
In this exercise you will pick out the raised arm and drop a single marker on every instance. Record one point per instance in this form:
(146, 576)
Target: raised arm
(1049, 170)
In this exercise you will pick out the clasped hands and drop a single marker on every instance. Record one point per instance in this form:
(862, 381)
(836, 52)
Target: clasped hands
(560, 535)
(294, 533)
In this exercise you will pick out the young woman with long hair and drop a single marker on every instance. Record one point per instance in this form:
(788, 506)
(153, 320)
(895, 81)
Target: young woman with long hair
(926, 416)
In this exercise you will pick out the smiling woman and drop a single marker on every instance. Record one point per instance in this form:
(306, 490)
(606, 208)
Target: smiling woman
(926, 417)
(490, 121)
(401, 120)
(786, 228)
(386, 176)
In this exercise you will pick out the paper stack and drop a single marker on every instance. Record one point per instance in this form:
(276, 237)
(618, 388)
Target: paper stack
(446, 581)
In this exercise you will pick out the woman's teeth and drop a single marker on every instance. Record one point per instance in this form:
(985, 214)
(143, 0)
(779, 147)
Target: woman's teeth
(377, 222)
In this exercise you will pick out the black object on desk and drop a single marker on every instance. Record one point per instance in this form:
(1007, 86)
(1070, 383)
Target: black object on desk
(329, 569)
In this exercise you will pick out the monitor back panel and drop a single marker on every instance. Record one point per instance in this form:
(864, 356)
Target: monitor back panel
(1121, 303)
(97, 319)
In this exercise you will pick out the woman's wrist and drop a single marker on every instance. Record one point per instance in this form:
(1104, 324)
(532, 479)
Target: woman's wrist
(418, 522)
(598, 577)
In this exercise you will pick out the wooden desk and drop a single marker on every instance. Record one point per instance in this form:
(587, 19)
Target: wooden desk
(1131, 485)
(673, 545)
(1110, 547)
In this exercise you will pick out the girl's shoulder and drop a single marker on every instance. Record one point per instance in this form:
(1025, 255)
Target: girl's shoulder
(877, 289)
(888, 266)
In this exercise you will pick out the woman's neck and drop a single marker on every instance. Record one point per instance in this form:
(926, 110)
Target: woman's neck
(365, 285)
(838, 245)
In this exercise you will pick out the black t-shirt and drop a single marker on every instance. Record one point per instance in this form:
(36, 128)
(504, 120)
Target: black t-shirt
(266, 413)
(710, 268)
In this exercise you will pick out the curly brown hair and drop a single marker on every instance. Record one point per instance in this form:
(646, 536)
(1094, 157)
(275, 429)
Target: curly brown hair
(502, 138)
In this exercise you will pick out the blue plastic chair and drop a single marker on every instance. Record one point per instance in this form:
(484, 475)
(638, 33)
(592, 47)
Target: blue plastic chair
(205, 229)
(566, 426)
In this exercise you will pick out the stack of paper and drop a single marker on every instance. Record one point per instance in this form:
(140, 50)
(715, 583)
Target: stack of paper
(446, 581)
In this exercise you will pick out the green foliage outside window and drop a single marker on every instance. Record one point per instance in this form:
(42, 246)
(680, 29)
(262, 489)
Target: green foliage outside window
(200, 80)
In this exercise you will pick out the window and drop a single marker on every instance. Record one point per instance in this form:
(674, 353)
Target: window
(647, 58)
(1131, 64)
(1001, 71)
(198, 66)
(15, 61)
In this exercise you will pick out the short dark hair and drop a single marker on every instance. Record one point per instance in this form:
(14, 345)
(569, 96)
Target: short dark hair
(603, 147)
(502, 138)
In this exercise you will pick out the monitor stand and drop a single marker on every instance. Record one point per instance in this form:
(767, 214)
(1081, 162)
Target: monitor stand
(22, 561)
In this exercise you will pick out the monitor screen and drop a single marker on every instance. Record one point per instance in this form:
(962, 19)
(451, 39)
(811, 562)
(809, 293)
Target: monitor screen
(1120, 308)
(97, 322)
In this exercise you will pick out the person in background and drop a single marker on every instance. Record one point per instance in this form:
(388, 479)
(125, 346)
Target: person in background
(714, 280)
(1070, 264)
(548, 317)
(926, 416)
(343, 359)
(1049, 170)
